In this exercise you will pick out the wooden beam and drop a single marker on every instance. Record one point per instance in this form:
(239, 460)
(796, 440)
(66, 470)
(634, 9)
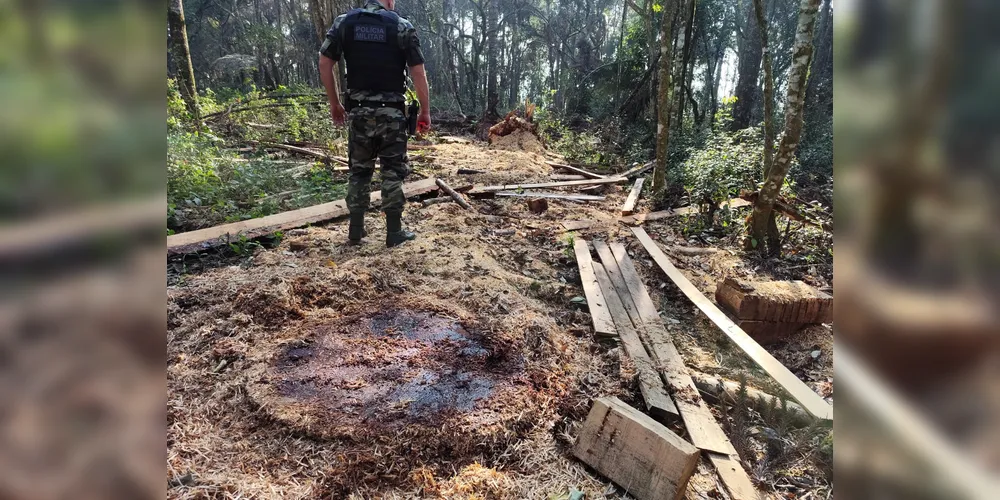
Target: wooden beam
(646, 459)
(575, 170)
(515, 187)
(705, 432)
(599, 314)
(637, 170)
(658, 403)
(454, 195)
(203, 239)
(689, 210)
(554, 196)
(799, 391)
(576, 225)
(633, 198)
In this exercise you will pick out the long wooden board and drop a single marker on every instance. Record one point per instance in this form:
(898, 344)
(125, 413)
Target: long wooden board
(575, 170)
(599, 314)
(554, 196)
(203, 239)
(689, 210)
(658, 403)
(542, 185)
(704, 430)
(646, 459)
(795, 387)
(633, 197)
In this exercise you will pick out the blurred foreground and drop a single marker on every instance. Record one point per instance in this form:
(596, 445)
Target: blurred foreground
(82, 287)
(82, 318)
(917, 126)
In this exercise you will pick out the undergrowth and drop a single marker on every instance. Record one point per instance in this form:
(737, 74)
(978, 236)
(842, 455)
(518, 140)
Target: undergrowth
(213, 177)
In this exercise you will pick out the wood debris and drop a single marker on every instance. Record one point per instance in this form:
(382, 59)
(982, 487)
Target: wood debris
(203, 239)
(648, 460)
(811, 401)
(454, 194)
(633, 198)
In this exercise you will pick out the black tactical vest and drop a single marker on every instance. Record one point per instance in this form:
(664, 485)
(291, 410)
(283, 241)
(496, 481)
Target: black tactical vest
(371, 48)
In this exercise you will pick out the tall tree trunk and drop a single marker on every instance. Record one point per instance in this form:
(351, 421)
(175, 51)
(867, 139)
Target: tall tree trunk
(768, 87)
(663, 97)
(181, 54)
(749, 52)
(618, 56)
(316, 13)
(692, 5)
(798, 75)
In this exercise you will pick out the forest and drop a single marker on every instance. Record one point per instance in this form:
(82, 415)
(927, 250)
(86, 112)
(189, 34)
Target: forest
(622, 206)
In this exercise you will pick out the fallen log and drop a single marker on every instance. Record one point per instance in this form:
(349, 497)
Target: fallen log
(469, 171)
(203, 239)
(435, 201)
(454, 195)
(567, 177)
(263, 106)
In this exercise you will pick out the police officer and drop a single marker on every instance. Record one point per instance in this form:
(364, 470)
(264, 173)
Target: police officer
(378, 46)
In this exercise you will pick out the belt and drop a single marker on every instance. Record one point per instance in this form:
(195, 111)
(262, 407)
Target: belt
(377, 104)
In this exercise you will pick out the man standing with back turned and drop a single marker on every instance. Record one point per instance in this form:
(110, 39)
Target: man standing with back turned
(378, 46)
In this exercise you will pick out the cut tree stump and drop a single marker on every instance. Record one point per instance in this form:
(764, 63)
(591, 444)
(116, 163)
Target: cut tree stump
(646, 459)
(538, 205)
(633, 198)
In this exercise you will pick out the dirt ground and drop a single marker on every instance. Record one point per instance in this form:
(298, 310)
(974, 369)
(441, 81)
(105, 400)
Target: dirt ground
(455, 366)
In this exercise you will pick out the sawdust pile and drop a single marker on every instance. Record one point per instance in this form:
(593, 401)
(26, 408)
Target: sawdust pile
(237, 334)
(514, 133)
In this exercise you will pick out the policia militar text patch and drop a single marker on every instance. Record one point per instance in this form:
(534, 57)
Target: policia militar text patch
(369, 33)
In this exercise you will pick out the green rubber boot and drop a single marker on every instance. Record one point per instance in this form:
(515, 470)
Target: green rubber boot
(394, 232)
(356, 230)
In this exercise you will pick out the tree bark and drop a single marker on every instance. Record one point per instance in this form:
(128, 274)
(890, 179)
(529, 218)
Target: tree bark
(692, 6)
(798, 77)
(663, 97)
(749, 52)
(768, 87)
(181, 54)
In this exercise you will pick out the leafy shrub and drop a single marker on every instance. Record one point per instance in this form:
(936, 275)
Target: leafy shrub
(724, 166)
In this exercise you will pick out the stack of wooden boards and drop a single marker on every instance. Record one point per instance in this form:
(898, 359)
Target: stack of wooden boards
(621, 306)
(771, 311)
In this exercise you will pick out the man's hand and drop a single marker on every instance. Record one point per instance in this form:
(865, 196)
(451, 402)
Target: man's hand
(423, 121)
(338, 113)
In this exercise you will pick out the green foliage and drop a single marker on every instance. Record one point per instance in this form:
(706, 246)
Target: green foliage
(727, 164)
(578, 147)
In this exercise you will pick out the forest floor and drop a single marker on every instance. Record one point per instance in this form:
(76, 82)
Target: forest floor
(305, 369)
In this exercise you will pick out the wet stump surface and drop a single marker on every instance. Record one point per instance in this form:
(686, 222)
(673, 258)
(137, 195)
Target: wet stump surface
(401, 372)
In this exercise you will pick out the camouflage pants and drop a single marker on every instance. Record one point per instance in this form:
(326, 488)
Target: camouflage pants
(377, 133)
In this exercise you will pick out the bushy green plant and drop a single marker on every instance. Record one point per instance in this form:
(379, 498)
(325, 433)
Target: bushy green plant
(723, 167)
